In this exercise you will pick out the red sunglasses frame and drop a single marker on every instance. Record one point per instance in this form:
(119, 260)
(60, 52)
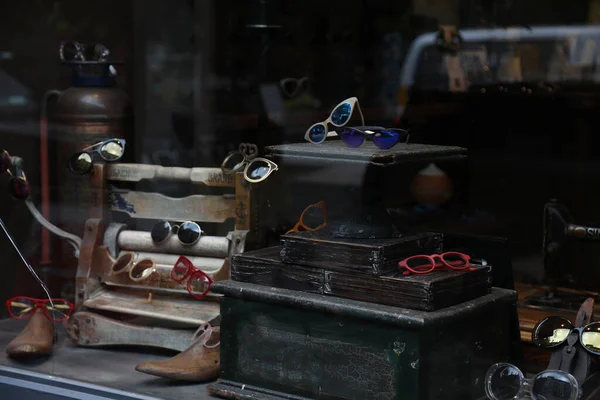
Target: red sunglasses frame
(39, 303)
(190, 273)
(443, 264)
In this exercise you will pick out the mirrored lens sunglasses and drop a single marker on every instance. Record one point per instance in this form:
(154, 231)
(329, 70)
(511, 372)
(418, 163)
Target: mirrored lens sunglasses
(551, 332)
(188, 232)
(384, 138)
(340, 116)
(110, 150)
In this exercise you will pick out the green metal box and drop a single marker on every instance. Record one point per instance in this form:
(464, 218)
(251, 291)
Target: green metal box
(284, 344)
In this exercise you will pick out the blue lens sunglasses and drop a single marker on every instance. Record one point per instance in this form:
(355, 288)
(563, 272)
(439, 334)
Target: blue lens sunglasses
(340, 116)
(384, 138)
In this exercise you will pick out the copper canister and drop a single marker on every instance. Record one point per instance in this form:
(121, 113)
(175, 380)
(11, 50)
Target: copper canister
(92, 110)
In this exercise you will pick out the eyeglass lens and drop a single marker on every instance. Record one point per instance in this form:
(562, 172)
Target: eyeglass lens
(160, 231)
(198, 284)
(81, 163)
(386, 138)
(341, 114)
(317, 133)
(112, 150)
(234, 162)
(504, 382)
(313, 217)
(590, 337)
(189, 233)
(552, 332)
(352, 137)
(142, 269)
(180, 270)
(550, 385)
(258, 169)
(122, 263)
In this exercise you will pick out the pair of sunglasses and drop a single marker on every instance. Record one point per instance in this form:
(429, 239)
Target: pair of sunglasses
(188, 232)
(291, 87)
(554, 331)
(505, 381)
(313, 218)
(110, 150)
(198, 283)
(424, 263)
(339, 117)
(255, 169)
(137, 270)
(18, 186)
(21, 307)
(384, 138)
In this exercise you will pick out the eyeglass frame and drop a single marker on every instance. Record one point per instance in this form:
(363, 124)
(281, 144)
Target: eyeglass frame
(40, 304)
(272, 168)
(353, 102)
(299, 82)
(572, 329)
(364, 129)
(130, 266)
(409, 270)
(248, 151)
(527, 383)
(171, 232)
(300, 223)
(95, 148)
(190, 273)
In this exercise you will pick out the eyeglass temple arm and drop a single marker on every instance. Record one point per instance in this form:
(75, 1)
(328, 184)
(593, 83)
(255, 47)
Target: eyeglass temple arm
(362, 118)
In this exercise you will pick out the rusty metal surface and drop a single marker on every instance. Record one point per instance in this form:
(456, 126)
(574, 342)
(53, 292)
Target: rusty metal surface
(200, 208)
(111, 236)
(213, 177)
(207, 246)
(181, 309)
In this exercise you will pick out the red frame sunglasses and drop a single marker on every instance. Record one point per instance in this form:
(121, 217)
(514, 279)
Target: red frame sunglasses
(34, 304)
(450, 260)
(185, 269)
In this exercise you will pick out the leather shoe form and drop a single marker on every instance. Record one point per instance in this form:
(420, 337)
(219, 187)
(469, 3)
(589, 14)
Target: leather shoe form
(35, 340)
(199, 362)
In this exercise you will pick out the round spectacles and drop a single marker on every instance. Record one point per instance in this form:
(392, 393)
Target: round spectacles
(188, 232)
(504, 381)
(109, 150)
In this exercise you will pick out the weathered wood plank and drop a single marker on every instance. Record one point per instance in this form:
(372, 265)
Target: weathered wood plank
(213, 177)
(92, 330)
(157, 206)
(181, 309)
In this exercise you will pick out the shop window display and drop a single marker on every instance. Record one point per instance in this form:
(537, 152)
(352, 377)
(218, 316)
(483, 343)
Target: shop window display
(294, 200)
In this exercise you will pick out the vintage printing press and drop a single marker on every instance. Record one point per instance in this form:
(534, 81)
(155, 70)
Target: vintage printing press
(157, 312)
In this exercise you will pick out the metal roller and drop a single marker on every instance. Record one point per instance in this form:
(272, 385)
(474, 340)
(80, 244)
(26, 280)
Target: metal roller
(167, 261)
(207, 246)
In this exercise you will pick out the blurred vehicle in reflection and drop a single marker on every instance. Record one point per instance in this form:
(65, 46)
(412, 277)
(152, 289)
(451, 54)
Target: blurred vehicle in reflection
(523, 102)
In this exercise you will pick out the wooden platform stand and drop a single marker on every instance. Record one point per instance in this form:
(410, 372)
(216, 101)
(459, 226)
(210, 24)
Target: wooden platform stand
(157, 312)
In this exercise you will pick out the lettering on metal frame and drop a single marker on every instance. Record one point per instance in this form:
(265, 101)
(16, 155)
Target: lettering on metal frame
(583, 232)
